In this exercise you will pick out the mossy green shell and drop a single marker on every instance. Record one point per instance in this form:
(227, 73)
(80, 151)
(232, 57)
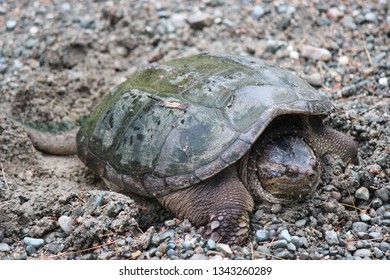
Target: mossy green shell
(170, 126)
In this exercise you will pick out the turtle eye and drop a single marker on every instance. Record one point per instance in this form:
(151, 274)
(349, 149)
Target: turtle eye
(292, 170)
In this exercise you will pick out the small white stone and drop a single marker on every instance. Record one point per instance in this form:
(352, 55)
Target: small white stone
(294, 55)
(343, 60)
(384, 81)
(224, 248)
(33, 30)
(315, 53)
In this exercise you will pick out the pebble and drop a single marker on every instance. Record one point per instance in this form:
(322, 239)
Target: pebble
(331, 237)
(384, 246)
(171, 253)
(379, 57)
(378, 253)
(169, 233)
(178, 20)
(66, 224)
(33, 30)
(56, 248)
(7, 240)
(3, 70)
(111, 209)
(262, 235)
(359, 227)
(362, 235)
(348, 90)
(371, 17)
(383, 81)
(31, 42)
(187, 245)
(376, 203)
(376, 235)
(294, 54)
(291, 247)
(348, 22)
(279, 244)
(35, 242)
(211, 244)
(283, 253)
(362, 253)
(314, 79)
(257, 12)
(300, 223)
(336, 195)
(281, 9)
(304, 256)
(382, 194)
(199, 20)
(335, 13)
(65, 7)
(351, 247)
(34, 63)
(272, 233)
(368, 71)
(315, 256)
(315, 53)
(30, 250)
(340, 250)
(362, 193)
(343, 60)
(258, 215)
(170, 223)
(224, 248)
(324, 21)
(305, 242)
(284, 234)
(4, 247)
(11, 24)
(198, 257)
(365, 218)
(276, 208)
(263, 249)
(386, 222)
(297, 241)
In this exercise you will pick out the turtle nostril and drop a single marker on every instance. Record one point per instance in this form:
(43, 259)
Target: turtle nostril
(311, 174)
(313, 163)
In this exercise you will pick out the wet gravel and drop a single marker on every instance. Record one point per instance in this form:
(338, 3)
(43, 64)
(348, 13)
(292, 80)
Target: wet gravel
(57, 60)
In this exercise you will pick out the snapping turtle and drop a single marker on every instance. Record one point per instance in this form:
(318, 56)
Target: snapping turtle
(207, 135)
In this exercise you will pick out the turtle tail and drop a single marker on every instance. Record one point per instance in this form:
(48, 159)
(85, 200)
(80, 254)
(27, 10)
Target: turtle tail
(63, 143)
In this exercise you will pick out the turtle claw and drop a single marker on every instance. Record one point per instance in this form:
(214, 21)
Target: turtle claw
(228, 227)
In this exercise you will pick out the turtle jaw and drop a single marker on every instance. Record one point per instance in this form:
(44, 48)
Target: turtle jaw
(286, 188)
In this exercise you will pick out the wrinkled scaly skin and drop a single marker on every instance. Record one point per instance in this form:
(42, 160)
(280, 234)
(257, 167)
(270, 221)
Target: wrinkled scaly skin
(208, 136)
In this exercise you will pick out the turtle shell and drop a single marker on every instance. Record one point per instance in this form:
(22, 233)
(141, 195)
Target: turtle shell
(170, 126)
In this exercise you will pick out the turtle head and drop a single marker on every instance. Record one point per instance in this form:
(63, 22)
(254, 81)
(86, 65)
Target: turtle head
(287, 169)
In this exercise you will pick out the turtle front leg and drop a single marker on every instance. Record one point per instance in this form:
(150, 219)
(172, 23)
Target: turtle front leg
(222, 203)
(326, 140)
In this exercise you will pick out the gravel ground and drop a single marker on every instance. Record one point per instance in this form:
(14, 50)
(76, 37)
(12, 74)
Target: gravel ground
(58, 58)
